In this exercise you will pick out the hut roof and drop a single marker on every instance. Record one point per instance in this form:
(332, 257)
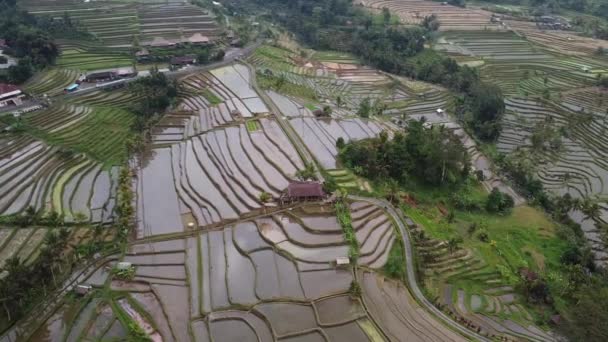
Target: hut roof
(305, 189)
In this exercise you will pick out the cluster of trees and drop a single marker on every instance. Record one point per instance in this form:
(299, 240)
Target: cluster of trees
(499, 202)
(583, 286)
(23, 283)
(156, 93)
(433, 155)
(369, 107)
(593, 7)
(28, 39)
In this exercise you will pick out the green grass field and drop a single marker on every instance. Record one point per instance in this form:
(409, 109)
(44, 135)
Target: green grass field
(211, 97)
(101, 135)
(92, 60)
(253, 125)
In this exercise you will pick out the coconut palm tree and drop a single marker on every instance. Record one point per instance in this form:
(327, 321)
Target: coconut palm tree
(591, 209)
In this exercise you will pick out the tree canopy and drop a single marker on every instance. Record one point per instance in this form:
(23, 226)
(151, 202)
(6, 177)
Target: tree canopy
(433, 155)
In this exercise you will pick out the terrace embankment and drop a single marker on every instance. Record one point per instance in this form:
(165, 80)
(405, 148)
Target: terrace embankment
(243, 283)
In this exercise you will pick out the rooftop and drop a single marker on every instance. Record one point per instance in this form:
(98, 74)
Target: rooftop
(6, 88)
(161, 42)
(305, 189)
(197, 38)
(182, 60)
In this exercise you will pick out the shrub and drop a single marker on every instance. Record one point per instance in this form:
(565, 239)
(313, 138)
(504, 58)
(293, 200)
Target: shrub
(483, 236)
(499, 202)
(472, 228)
(463, 202)
(124, 274)
(354, 289)
(340, 143)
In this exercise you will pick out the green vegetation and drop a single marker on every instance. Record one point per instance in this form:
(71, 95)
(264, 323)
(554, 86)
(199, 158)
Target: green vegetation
(499, 202)
(30, 39)
(308, 173)
(267, 80)
(337, 25)
(430, 155)
(253, 125)
(156, 93)
(395, 265)
(343, 215)
(26, 284)
(483, 250)
(123, 273)
(92, 58)
(211, 97)
(99, 132)
(125, 212)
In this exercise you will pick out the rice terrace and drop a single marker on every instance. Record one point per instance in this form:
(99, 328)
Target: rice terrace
(320, 170)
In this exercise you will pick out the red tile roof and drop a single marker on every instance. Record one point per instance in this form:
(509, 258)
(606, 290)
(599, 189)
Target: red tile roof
(7, 88)
(305, 189)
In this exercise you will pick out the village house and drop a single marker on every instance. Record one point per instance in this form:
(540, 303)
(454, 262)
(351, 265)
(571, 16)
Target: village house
(161, 42)
(183, 60)
(10, 95)
(142, 55)
(197, 39)
(100, 76)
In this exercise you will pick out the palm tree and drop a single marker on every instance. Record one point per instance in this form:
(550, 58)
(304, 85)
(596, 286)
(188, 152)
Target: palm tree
(591, 209)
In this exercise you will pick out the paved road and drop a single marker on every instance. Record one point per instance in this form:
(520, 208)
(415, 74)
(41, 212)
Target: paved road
(411, 274)
(232, 55)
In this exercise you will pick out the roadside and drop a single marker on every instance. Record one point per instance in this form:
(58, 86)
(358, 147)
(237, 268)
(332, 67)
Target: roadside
(410, 269)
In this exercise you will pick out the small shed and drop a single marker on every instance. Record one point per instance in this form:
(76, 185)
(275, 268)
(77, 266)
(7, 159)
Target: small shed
(197, 39)
(126, 72)
(123, 265)
(303, 191)
(142, 55)
(161, 42)
(342, 261)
